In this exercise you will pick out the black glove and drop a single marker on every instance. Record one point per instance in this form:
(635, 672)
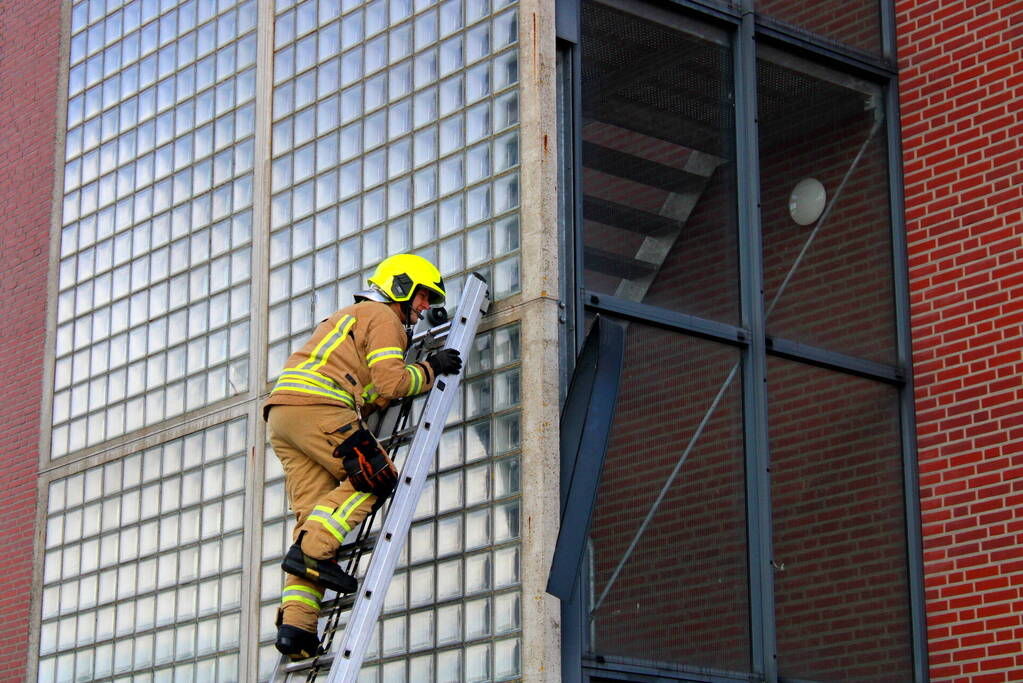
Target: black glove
(445, 362)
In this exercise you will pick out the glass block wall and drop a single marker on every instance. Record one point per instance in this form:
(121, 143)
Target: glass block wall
(142, 572)
(394, 129)
(153, 280)
(452, 611)
(393, 126)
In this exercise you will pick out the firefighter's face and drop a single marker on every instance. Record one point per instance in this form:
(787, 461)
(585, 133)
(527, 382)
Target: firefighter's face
(420, 304)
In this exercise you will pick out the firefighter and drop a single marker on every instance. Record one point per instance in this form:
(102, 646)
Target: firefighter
(334, 469)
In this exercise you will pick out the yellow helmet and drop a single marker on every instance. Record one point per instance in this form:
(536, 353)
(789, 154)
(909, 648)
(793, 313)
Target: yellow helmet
(400, 275)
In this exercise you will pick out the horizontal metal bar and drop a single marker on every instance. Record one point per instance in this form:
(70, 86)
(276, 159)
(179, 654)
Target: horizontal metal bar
(833, 360)
(701, 327)
(622, 670)
(779, 32)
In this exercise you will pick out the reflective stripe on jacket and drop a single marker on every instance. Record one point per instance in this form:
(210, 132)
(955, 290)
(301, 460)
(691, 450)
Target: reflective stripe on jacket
(354, 358)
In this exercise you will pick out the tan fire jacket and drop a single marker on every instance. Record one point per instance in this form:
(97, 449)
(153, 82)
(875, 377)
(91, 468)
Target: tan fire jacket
(356, 359)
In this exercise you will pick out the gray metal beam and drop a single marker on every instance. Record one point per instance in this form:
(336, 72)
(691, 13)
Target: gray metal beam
(763, 644)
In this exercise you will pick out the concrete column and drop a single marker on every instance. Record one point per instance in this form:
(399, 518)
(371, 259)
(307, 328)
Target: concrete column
(541, 613)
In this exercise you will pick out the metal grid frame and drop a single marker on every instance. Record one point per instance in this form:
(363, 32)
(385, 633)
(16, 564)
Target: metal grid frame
(747, 29)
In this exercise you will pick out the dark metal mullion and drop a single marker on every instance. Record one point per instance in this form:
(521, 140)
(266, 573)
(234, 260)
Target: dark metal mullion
(763, 647)
(889, 39)
(907, 407)
(832, 360)
(574, 635)
(652, 315)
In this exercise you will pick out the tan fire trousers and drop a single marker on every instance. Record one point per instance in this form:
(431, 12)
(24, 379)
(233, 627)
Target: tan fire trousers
(304, 438)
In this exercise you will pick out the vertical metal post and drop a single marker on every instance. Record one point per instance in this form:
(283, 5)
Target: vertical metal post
(907, 406)
(754, 365)
(574, 637)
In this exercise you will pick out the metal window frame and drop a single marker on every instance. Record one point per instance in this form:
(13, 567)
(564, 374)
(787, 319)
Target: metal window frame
(750, 336)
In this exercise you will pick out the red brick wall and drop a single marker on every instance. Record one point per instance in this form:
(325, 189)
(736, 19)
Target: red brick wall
(29, 58)
(961, 66)
(855, 23)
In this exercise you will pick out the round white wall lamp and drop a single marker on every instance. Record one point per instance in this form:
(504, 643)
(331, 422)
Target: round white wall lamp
(807, 201)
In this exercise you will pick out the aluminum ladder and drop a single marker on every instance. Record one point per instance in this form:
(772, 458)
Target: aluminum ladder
(345, 660)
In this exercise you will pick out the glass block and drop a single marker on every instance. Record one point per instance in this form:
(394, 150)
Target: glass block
(424, 183)
(421, 668)
(421, 589)
(477, 122)
(451, 218)
(424, 107)
(477, 441)
(396, 590)
(424, 226)
(506, 110)
(375, 92)
(505, 29)
(398, 236)
(400, 43)
(478, 82)
(394, 635)
(399, 158)
(477, 618)
(449, 491)
(477, 528)
(420, 627)
(399, 197)
(451, 134)
(425, 31)
(506, 277)
(420, 543)
(477, 662)
(506, 69)
(451, 96)
(350, 179)
(507, 658)
(449, 666)
(451, 175)
(374, 130)
(424, 70)
(373, 246)
(477, 43)
(449, 535)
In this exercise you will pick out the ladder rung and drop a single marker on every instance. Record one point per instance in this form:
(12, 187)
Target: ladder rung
(343, 602)
(366, 545)
(305, 664)
(398, 437)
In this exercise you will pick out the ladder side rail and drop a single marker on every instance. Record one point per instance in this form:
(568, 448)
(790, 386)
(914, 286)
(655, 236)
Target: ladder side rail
(369, 600)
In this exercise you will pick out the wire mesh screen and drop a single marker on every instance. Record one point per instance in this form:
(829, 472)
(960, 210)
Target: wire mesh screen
(842, 600)
(657, 150)
(673, 589)
(827, 268)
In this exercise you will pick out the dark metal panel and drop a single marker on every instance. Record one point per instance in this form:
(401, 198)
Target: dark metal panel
(566, 20)
(683, 322)
(585, 429)
(754, 365)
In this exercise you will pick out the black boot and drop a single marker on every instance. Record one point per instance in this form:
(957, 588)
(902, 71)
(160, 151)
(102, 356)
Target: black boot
(296, 643)
(324, 572)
